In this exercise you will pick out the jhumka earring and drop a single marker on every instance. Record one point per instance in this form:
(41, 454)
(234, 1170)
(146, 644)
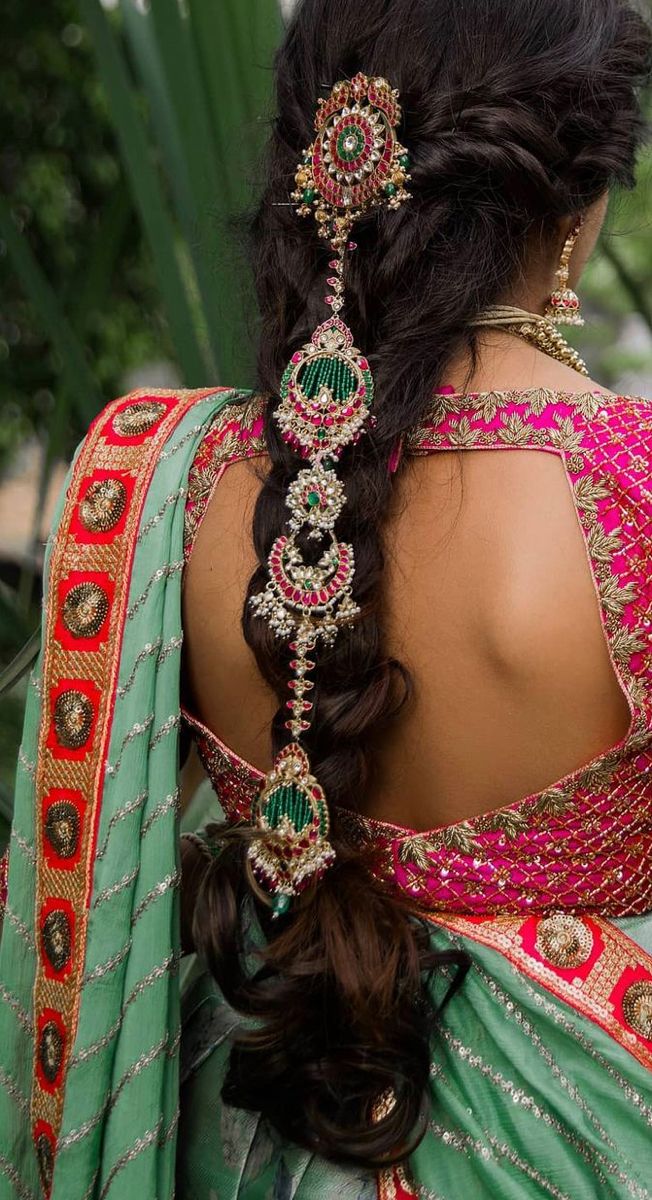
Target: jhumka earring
(564, 306)
(354, 165)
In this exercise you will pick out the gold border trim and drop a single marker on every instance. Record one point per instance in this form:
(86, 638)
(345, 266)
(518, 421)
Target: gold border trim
(597, 992)
(133, 456)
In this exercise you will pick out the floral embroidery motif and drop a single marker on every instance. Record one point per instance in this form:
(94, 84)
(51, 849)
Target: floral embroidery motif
(103, 505)
(61, 828)
(51, 1043)
(44, 1140)
(85, 610)
(584, 843)
(56, 932)
(565, 941)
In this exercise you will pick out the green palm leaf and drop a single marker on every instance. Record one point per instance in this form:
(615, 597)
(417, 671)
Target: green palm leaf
(147, 190)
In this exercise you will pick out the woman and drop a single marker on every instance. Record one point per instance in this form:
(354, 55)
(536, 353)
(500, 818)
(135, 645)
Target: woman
(423, 967)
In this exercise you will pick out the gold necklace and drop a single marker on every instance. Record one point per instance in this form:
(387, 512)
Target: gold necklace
(537, 330)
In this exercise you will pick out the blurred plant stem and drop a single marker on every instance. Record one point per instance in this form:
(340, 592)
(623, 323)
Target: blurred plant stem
(630, 284)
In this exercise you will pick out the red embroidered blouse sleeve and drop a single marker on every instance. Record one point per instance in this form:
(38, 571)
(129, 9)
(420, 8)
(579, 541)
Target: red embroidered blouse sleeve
(236, 433)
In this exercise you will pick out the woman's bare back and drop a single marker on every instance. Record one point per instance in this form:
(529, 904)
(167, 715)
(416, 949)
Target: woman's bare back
(489, 601)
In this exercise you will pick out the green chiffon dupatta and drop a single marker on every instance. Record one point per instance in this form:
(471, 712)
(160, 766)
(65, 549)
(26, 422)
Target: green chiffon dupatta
(89, 1013)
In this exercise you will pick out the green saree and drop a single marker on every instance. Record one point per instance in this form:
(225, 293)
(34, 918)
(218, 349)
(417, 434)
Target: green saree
(110, 1081)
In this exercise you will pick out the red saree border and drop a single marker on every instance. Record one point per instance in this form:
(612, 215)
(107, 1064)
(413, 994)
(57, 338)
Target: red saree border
(88, 590)
(587, 962)
(394, 1184)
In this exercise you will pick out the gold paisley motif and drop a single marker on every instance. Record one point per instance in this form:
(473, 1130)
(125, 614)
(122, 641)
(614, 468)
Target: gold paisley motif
(413, 851)
(625, 643)
(603, 546)
(553, 801)
(510, 822)
(459, 838)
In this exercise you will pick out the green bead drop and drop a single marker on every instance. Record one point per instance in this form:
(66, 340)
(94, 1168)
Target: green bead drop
(390, 189)
(309, 195)
(281, 905)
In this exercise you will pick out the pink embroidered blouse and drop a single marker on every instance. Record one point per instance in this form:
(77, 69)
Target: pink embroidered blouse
(585, 843)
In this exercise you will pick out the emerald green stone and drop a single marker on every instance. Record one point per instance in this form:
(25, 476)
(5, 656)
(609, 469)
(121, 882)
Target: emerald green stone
(357, 137)
(390, 189)
(404, 161)
(321, 434)
(309, 195)
(313, 499)
(281, 905)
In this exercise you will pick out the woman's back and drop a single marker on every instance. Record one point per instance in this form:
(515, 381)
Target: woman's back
(489, 597)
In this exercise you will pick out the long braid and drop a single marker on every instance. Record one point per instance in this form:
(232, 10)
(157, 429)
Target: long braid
(517, 113)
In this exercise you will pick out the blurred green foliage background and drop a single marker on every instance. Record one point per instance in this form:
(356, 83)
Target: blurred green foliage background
(130, 144)
(130, 139)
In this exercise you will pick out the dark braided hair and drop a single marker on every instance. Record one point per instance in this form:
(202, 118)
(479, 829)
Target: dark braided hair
(517, 113)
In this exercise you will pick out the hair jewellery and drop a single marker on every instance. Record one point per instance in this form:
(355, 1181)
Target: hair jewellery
(354, 165)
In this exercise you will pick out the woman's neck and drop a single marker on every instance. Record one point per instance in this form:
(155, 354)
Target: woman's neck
(505, 362)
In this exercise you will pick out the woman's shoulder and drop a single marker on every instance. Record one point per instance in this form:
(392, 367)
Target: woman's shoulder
(627, 417)
(235, 433)
(140, 444)
(143, 412)
(138, 431)
(236, 430)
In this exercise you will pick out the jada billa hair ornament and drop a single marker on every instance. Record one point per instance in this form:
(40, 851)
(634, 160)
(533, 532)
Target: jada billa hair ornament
(354, 165)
